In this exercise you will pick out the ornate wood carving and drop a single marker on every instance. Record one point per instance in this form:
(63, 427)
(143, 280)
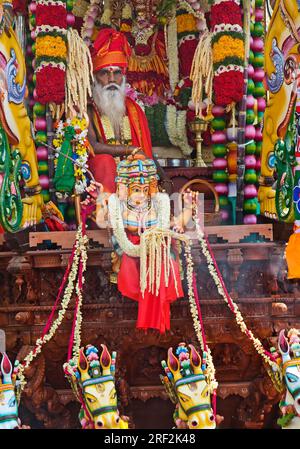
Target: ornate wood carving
(253, 272)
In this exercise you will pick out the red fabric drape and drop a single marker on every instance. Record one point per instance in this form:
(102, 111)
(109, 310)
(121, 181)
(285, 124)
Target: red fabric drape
(153, 311)
(103, 166)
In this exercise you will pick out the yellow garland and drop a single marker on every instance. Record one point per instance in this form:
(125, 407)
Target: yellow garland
(52, 46)
(228, 47)
(202, 72)
(79, 76)
(172, 52)
(109, 131)
(185, 23)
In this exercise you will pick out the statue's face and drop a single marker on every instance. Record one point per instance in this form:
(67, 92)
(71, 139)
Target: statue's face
(109, 75)
(138, 194)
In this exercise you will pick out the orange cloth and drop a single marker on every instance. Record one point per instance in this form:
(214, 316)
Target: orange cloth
(292, 253)
(103, 166)
(140, 134)
(110, 48)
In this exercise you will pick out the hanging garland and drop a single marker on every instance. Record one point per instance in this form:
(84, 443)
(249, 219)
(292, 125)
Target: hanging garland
(93, 11)
(39, 113)
(73, 275)
(50, 50)
(256, 105)
(176, 128)
(228, 83)
(222, 290)
(80, 149)
(228, 52)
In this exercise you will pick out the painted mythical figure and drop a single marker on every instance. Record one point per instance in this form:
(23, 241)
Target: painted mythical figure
(141, 221)
(279, 144)
(93, 383)
(8, 402)
(18, 155)
(289, 365)
(187, 387)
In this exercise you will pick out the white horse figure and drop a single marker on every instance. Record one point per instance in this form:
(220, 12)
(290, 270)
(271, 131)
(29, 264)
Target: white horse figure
(8, 401)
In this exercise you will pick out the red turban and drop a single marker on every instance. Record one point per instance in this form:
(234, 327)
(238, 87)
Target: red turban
(110, 48)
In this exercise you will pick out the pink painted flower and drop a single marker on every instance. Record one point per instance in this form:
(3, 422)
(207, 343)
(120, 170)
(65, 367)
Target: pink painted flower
(92, 356)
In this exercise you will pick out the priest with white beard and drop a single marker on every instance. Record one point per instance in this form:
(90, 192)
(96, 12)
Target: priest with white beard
(118, 126)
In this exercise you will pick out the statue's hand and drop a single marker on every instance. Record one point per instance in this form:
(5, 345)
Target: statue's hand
(92, 192)
(32, 210)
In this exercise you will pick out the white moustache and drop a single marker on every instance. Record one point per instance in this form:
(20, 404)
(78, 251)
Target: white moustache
(112, 86)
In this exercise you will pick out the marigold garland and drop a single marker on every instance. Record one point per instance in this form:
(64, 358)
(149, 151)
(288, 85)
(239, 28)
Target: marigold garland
(228, 52)
(51, 22)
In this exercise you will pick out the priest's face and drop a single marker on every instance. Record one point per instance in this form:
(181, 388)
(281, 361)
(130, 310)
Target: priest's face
(110, 77)
(109, 95)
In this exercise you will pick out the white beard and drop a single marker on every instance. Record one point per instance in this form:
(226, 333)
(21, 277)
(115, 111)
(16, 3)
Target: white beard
(111, 103)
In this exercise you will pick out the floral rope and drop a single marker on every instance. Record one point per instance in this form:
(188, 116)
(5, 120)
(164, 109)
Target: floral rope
(217, 277)
(78, 254)
(196, 316)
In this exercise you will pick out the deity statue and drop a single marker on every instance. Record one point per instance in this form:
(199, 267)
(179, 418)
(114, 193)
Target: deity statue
(145, 254)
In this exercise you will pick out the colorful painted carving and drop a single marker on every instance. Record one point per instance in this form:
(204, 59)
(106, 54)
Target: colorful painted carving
(281, 65)
(187, 386)
(8, 401)
(93, 383)
(17, 150)
(288, 361)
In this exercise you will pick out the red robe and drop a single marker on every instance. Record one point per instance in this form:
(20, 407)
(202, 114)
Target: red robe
(103, 166)
(153, 311)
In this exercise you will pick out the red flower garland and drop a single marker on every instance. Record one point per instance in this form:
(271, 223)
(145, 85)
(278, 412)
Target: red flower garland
(228, 87)
(50, 77)
(226, 12)
(51, 15)
(51, 84)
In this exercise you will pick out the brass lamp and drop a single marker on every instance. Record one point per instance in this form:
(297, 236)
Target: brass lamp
(197, 126)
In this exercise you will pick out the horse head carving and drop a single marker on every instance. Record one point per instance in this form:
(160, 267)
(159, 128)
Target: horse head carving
(187, 387)
(8, 401)
(93, 383)
(289, 349)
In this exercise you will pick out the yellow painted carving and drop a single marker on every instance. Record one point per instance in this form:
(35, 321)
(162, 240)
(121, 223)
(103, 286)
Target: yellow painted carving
(284, 23)
(16, 123)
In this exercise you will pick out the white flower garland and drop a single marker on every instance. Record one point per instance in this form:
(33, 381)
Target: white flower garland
(176, 129)
(80, 248)
(161, 203)
(238, 316)
(199, 14)
(210, 370)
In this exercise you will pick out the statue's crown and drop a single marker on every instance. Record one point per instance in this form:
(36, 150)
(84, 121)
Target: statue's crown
(140, 170)
(89, 368)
